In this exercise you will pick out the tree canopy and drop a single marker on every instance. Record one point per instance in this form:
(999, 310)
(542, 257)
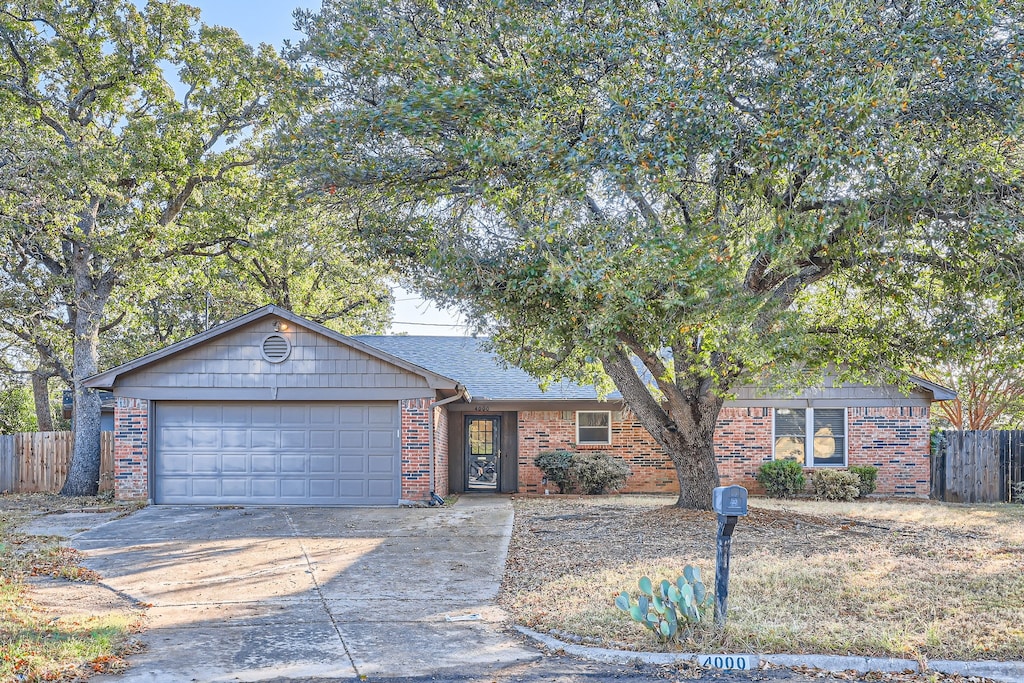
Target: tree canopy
(117, 123)
(723, 190)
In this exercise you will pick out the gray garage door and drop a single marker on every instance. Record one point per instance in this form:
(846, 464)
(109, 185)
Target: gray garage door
(277, 453)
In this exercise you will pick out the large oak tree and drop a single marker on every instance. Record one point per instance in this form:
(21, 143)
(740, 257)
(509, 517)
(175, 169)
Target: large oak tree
(115, 121)
(683, 196)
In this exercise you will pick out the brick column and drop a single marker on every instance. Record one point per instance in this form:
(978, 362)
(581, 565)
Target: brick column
(131, 449)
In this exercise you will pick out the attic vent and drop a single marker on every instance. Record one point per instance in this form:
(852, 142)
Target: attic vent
(275, 348)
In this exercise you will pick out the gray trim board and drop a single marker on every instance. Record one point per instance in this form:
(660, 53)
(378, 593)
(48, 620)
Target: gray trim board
(274, 394)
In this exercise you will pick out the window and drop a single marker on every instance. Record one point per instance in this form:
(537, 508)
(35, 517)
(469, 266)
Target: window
(593, 427)
(814, 436)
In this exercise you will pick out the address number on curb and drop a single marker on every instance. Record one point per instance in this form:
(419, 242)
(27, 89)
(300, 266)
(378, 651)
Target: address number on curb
(728, 662)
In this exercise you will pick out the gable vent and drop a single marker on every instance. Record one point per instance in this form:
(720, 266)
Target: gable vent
(275, 348)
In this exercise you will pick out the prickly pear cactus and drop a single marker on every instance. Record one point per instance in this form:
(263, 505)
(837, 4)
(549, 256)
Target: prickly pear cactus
(669, 610)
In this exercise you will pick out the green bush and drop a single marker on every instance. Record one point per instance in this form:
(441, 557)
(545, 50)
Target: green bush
(555, 466)
(594, 472)
(836, 484)
(782, 478)
(868, 477)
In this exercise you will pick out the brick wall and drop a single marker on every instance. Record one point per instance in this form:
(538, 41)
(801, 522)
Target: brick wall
(441, 451)
(131, 449)
(415, 449)
(894, 439)
(550, 430)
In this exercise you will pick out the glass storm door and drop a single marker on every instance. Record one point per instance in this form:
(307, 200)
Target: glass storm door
(482, 451)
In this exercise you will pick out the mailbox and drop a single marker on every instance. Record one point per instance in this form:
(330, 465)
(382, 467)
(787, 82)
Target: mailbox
(730, 500)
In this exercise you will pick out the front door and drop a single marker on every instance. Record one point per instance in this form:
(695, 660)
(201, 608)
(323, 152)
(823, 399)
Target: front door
(483, 441)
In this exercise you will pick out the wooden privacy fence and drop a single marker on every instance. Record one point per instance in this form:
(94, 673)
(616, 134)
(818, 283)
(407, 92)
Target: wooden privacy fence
(37, 462)
(977, 466)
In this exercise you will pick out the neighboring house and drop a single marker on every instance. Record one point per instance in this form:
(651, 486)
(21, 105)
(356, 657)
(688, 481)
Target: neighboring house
(106, 408)
(271, 408)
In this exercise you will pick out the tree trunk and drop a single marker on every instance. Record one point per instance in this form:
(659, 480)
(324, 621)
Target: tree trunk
(692, 450)
(683, 425)
(41, 397)
(84, 471)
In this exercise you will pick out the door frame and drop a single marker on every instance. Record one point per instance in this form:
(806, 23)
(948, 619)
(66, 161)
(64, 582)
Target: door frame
(496, 421)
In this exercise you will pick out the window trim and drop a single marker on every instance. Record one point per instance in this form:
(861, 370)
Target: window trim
(580, 442)
(809, 435)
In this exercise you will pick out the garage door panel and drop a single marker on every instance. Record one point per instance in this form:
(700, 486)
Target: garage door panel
(174, 437)
(205, 463)
(379, 415)
(231, 486)
(381, 440)
(323, 488)
(282, 453)
(293, 438)
(322, 439)
(205, 438)
(292, 464)
(265, 438)
(175, 415)
(234, 462)
(236, 415)
(381, 488)
(323, 463)
(351, 439)
(234, 438)
(381, 463)
(204, 486)
(294, 415)
(264, 464)
(293, 488)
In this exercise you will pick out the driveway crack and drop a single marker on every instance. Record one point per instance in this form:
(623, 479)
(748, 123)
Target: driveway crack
(319, 591)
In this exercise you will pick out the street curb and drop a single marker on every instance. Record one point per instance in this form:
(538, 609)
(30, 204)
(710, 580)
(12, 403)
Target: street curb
(1005, 672)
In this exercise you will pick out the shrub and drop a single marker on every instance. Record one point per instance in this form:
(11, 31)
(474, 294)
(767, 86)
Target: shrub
(670, 610)
(1018, 492)
(782, 478)
(836, 484)
(555, 466)
(868, 475)
(594, 472)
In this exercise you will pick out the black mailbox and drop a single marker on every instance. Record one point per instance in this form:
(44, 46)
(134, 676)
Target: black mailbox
(730, 500)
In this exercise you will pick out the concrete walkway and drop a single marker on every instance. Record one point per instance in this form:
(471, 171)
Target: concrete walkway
(251, 594)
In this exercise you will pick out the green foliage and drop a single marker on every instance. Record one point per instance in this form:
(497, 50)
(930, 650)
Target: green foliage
(836, 484)
(868, 475)
(670, 610)
(782, 478)
(588, 472)
(757, 188)
(555, 466)
(595, 472)
(17, 410)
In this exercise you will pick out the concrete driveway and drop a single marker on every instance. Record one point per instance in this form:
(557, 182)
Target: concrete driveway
(251, 594)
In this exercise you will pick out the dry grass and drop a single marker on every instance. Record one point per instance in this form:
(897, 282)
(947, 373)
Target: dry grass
(907, 579)
(67, 638)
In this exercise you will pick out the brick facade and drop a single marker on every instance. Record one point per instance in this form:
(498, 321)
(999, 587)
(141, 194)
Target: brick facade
(415, 449)
(131, 449)
(894, 439)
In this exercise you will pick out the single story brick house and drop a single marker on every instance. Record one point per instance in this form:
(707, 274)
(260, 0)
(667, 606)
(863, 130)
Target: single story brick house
(271, 408)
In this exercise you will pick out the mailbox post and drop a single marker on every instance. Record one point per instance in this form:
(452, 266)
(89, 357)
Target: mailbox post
(730, 502)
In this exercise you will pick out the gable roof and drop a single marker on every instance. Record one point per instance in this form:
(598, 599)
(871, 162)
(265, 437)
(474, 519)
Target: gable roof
(106, 379)
(484, 375)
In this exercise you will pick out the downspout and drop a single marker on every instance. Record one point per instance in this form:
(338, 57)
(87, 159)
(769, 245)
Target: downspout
(462, 393)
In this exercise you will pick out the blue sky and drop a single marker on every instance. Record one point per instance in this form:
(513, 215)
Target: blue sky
(267, 21)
